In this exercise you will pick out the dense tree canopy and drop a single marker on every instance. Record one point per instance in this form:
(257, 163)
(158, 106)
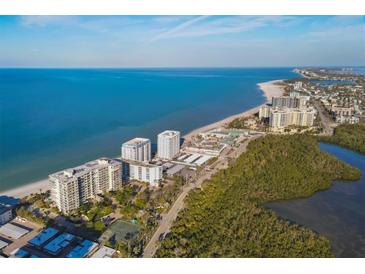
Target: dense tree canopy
(227, 218)
(351, 136)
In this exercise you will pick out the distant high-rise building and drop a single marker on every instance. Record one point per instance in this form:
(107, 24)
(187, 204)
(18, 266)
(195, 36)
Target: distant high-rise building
(289, 102)
(74, 186)
(281, 118)
(298, 85)
(168, 144)
(137, 149)
(294, 94)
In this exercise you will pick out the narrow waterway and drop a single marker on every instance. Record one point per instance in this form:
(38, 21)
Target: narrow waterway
(337, 213)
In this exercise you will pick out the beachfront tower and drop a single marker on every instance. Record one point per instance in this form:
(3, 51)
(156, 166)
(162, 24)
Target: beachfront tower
(74, 186)
(168, 144)
(137, 149)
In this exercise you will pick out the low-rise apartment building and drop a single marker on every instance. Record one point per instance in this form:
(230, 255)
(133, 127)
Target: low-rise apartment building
(143, 172)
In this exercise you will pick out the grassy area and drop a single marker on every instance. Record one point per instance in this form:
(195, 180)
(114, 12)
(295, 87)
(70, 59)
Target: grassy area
(228, 219)
(351, 136)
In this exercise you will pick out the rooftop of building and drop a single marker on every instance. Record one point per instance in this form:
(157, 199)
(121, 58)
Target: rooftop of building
(59, 243)
(104, 252)
(8, 201)
(169, 133)
(139, 163)
(136, 141)
(43, 236)
(67, 174)
(82, 250)
(13, 231)
(286, 110)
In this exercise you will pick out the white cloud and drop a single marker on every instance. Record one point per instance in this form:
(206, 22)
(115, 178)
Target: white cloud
(198, 26)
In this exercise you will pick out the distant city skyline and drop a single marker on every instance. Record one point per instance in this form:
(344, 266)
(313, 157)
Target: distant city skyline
(181, 41)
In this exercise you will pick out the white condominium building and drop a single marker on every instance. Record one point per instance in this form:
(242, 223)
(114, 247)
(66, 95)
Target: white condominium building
(168, 144)
(281, 118)
(143, 172)
(74, 186)
(289, 102)
(264, 112)
(137, 149)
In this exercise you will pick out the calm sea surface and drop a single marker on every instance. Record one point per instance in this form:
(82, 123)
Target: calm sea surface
(337, 213)
(52, 119)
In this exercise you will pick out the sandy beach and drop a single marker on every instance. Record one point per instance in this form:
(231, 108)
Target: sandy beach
(270, 89)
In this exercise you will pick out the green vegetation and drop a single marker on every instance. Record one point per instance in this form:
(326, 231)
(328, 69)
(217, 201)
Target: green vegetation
(228, 219)
(351, 136)
(238, 123)
(25, 213)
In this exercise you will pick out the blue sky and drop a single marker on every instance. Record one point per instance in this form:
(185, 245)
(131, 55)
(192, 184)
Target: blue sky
(181, 41)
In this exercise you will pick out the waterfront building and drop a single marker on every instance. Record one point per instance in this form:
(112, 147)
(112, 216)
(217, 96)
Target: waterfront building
(6, 214)
(289, 102)
(294, 94)
(281, 118)
(74, 186)
(143, 172)
(298, 85)
(7, 206)
(137, 149)
(168, 144)
(264, 112)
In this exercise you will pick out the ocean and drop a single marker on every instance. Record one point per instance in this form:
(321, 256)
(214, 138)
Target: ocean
(51, 119)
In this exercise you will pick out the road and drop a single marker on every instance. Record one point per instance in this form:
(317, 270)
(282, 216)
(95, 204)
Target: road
(327, 122)
(168, 219)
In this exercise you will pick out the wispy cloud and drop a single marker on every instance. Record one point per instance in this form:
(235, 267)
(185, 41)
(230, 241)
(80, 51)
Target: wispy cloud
(175, 30)
(199, 26)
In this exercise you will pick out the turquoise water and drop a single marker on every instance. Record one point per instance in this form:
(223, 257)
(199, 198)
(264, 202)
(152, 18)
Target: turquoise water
(337, 213)
(52, 119)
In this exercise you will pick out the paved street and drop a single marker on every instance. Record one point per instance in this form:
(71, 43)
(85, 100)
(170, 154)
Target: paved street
(327, 122)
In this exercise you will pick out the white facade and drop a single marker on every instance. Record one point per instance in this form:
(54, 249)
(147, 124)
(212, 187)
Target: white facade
(264, 112)
(137, 149)
(72, 187)
(168, 144)
(143, 172)
(281, 118)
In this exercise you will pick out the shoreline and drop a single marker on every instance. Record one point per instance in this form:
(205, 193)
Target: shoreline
(270, 89)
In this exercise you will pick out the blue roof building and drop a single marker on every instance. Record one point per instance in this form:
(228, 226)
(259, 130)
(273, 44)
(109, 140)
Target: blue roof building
(58, 244)
(43, 236)
(19, 253)
(82, 250)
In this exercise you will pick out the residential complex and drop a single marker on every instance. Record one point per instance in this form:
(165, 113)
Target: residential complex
(6, 214)
(341, 93)
(264, 112)
(291, 101)
(137, 149)
(74, 186)
(143, 172)
(281, 118)
(168, 144)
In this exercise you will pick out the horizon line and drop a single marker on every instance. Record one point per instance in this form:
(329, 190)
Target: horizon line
(180, 67)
